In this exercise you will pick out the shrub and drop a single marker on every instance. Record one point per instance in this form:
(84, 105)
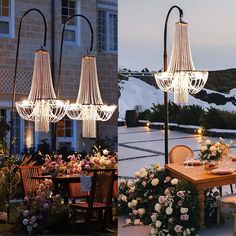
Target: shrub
(145, 200)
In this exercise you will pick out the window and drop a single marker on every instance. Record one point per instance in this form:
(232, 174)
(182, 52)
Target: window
(28, 133)
(107, 30)
(6, 18)
(69, 8)
(65, 128)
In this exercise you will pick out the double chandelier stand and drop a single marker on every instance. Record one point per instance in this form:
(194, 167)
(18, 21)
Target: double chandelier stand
(43, 106)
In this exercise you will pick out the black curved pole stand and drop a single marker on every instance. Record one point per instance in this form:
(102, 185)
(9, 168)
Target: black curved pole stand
(15, 71)
(165, 69)
(62, 41)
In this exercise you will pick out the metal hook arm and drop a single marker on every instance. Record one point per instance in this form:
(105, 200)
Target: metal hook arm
(16, 64)
(165, 32)
(62, 40)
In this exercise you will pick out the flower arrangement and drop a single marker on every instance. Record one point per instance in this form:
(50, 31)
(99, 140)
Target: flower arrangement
(53, 165)
(175, 212)
(76, 166)
(168, 205)
(42, 211)
(102, 159)
(212, 151)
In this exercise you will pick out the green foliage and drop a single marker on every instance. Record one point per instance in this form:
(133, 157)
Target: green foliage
(215, 118)
(188, 115)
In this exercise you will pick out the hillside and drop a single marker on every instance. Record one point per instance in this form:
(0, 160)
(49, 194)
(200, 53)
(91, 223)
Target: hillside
(222, 81)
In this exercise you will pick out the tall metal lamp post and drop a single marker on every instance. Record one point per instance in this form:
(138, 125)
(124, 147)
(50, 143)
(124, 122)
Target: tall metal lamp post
(180, 76)
(41, 106)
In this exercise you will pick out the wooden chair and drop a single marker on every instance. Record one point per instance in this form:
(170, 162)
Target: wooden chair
(228, 201)
(225, 153)
(179, 153)
(100, 198)
(26, 173)
(76, 193)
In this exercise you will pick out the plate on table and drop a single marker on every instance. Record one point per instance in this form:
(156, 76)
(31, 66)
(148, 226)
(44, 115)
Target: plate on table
(193, 162)
(222, 171)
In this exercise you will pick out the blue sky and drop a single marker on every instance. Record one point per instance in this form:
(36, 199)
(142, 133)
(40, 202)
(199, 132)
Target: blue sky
(212, 32)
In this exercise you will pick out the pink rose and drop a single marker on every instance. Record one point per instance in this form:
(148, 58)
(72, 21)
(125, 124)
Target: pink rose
(161, 199)
(180, 203)
(180, 193)
(150, 197)
(178, 228)
(154, 217)
(184, 217)
(167, 179)
(167, 192)
(144, 183)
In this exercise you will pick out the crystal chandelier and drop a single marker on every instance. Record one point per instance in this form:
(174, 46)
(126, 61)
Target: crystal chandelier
(89, 106)
(42, 106)
(181, 78)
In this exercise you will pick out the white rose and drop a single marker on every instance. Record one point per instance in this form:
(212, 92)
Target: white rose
(137, 174)
(123, 181)
(124, 198)
(169, 210)
(153, 231)
(134, 202)
(108, 162)
(158, 207)
(203, 148)
(143, 174)
(217, 144)
(130, 183)
(174, 181)
(188, 231)
(183, 210)
(128, 221)
(208, 142)
(141, 211)
(132, 189)
(129, 205)
(105, 152)
(155, 182)
(161, 168)
(136, 221)
(142, 170)
(158, 224)
(212, 148)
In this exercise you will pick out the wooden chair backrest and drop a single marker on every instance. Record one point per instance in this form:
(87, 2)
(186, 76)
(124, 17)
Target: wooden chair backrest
(102, 187)
(179, 153)
(75, 191)
(26, 173)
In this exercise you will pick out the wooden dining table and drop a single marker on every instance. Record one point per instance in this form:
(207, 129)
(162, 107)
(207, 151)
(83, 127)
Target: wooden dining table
(61, 181)
(202, 181)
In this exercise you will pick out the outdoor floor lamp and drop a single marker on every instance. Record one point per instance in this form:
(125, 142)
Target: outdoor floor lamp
(89, 106)
(41, 106)
(180, 76)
